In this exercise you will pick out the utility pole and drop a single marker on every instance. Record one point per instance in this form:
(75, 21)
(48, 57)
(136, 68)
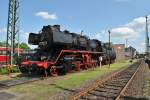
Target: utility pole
(126, 43)
(82, 32)
(147, 38)
(12, 30)
(18, 52)
(109, 32)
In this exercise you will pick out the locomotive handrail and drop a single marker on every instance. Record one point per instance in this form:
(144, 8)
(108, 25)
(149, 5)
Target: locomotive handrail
(75, 51)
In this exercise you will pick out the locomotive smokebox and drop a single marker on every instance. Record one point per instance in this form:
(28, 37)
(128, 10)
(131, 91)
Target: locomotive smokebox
(34, 39)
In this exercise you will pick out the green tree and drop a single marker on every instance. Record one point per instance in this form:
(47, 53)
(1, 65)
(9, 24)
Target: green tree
(24, 46)
(3, 44)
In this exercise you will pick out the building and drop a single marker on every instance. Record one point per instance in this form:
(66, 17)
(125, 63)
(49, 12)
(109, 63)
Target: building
(130, 52)
(3, 55)
(120, 51)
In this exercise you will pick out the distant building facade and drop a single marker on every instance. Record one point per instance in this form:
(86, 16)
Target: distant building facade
(120, 51)
(130, 52)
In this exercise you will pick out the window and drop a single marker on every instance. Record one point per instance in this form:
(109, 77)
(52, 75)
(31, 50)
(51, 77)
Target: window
(4, 52)
(1, 52)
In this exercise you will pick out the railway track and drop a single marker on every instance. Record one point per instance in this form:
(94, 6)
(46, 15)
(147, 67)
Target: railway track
(111, 88)
(18, 81)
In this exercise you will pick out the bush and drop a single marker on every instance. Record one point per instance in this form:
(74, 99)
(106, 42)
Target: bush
(6, 70)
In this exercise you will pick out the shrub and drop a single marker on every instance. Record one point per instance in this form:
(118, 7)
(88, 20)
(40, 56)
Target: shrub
(6, 70)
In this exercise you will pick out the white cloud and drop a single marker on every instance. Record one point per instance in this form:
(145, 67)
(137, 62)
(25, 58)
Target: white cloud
(46, 15)
(142, 44)
(101, 35)
(123, 32)
(138, 24)
(3, 30)
(141, 47)
(24, 38)
(132, 29)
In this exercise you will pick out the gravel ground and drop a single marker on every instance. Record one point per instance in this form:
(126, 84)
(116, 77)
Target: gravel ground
(147, 84)
(138, 87)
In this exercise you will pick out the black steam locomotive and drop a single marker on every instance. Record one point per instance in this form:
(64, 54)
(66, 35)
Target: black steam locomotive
(62, 51)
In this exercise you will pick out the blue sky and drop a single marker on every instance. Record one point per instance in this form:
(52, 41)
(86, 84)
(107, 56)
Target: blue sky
(125, 18)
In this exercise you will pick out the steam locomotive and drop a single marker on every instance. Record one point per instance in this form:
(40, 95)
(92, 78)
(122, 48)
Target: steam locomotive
(60, 52)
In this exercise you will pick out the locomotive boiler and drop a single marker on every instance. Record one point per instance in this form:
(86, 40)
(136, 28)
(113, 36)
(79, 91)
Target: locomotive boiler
(63, 51)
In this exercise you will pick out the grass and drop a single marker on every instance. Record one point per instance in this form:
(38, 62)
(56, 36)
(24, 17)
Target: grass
(6, 70)
(79, 78)
(4, 77)
(42, 90)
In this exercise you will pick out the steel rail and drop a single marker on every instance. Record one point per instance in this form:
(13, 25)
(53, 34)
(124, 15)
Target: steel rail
(95, 85)
(128, 83)
(7, 83)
